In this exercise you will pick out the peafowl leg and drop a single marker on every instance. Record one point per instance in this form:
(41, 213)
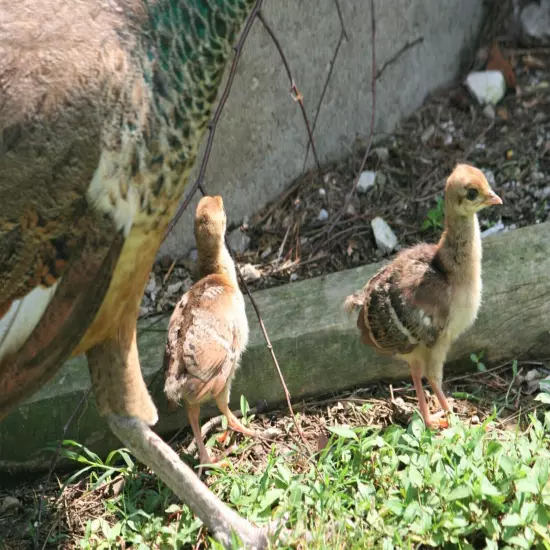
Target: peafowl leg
(123, 399)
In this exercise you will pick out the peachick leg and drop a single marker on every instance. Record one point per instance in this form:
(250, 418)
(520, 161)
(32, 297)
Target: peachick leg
(222, 400)
(440, 396)
(430, 421)
(193, 412)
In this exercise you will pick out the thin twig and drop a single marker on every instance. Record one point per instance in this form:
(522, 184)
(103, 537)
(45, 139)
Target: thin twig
(371, 129)
(273, 356)
(295, 92)
(410, 44)
(53, 465)
(343, 36)
(217, 114)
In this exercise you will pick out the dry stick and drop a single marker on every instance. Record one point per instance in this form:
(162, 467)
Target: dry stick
(410, 44)
(266, 337)
(295, 92)
(53, 465)
(371, 129)
(217, 114)
(343, 36)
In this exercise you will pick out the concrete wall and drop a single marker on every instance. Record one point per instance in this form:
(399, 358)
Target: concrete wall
(261, 140)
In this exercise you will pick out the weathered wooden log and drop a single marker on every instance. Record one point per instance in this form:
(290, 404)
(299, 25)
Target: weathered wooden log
(316, 344)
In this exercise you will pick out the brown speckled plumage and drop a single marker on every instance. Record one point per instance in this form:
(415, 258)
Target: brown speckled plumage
(208, 330)
(416, 306)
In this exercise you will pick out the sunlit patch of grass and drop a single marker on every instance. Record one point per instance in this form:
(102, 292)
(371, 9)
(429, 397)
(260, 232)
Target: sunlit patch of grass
(467, 487)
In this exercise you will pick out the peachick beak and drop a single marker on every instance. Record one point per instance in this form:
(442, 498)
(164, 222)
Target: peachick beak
(493, 198)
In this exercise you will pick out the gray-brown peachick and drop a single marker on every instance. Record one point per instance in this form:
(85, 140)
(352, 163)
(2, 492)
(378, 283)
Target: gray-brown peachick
(415, 307)
(208, 330)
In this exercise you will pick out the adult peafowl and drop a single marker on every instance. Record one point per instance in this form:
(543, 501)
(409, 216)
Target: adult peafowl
(103, 104)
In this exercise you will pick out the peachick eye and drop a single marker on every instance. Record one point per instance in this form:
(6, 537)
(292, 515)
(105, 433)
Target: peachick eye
(471, 194)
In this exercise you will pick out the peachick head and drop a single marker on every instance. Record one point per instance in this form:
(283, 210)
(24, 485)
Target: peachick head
(468, 191)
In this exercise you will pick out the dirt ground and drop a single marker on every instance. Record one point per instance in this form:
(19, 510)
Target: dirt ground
(288, 242)
(506, 389)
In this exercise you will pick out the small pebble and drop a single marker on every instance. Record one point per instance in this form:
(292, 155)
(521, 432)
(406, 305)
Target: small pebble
(238, 241)
(533, 374)
(488, 87)
(323, 215)
(8, 504)
(293, 277)
(475, 419)
(249, 272)
(322, 192)
(385, 238)
(497, 228)
(350, 210)
(366, 181)
(173, 289)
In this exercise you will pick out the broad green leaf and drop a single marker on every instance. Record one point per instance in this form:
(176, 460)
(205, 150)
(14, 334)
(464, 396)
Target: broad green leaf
(527, 485)
(343, 431)
(270, 497)
(415, 477)
(543, 397)
(463, 491)
(511, 520)
(488, 489)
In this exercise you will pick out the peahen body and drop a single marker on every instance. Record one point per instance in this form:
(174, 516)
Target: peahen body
(103, 104)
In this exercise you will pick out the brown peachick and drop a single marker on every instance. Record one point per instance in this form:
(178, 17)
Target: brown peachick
(415, 307)
(208, 330)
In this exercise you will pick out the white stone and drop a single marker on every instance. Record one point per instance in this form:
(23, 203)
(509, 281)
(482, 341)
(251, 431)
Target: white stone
(488, 87)
(143, 311)
(385, 238)
(323, 215)
(238, 241)
(249, 272)
(174, 288)
(366, 181)
(493, 230)
(322, 192)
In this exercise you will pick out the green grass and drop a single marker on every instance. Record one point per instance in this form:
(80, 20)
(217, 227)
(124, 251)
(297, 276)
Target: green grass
(435, 216)
(466, 487)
